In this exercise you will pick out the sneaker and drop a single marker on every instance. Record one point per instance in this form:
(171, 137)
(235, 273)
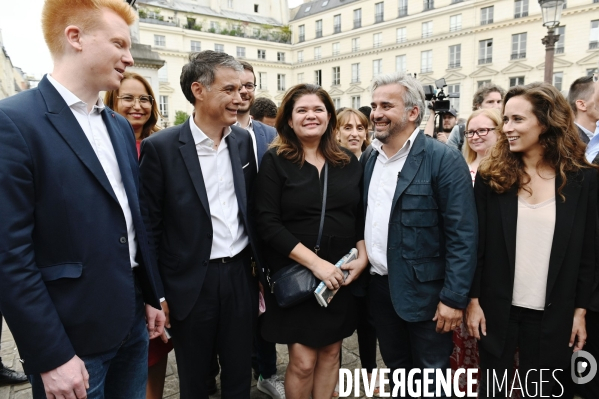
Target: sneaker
(272, 386)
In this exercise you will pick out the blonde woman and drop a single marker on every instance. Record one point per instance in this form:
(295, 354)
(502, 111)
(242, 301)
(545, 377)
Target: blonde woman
(481, 135)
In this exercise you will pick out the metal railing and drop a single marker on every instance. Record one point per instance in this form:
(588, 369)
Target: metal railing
(487, 60)
(517, 56)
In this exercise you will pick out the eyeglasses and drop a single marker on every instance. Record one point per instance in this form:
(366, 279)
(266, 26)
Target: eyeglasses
(480, 132)
(144, 101)
(249, 86)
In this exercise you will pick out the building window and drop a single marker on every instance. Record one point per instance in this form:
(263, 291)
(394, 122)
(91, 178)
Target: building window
(357, 18)
(355, 102)
(558, 78)
(486, 15)
(163, 106)
(262, 81)
(594, 37)
(379, 12)
(159, 40)
(518, 46)
(300, 56)
(559, 45)
(403, 8)
(324, 3)
(318, 77)
(230, 3)
(302, 33)
(426, 61)
(300, 78)
(281, 82)
(336, 48)
(455, 23)
(520, 8)
(485, 51)
(280, 56)
(400, 63)
(337, 23)
(377, 40)
(482, 83)
(337, 103)
(317, 53)
(261, 54)
(401, 35)
(377, 68)
(592, 71)
(454, 89)
(455, 55)
(241, 52)
(214, 27)
(319, 28)
(355, 73)
(518, 80)
(355, 44)
(336, 75)
(196, 46)
(427, 29)
(163, 74)
(256, 8)
(428, 5)
(219, 48)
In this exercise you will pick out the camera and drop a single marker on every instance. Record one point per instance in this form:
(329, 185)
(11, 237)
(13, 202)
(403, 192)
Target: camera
(440, 104)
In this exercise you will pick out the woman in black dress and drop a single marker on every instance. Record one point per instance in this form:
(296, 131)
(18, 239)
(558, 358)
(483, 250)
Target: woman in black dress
(288, 205)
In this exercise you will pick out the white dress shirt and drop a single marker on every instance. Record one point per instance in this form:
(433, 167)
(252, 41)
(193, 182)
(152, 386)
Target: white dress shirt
(229, 237)
(95, 130)
(380, 199)
(593, 146)
(250, 129)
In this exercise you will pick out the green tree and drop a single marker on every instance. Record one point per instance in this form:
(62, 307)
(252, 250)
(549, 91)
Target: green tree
(180, 117)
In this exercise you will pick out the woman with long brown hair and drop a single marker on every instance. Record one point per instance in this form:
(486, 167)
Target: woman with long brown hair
(536, 199)
(289, 196)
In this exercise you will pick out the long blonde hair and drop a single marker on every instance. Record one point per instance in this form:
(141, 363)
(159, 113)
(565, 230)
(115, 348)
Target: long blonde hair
(495, 117)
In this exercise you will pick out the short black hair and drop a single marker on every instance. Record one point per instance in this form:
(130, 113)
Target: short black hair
(263, 107)
(366, 110)
(201, 68)
(581, 89)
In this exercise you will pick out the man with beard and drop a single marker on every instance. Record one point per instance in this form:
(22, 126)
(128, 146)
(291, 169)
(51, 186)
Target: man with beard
(420, 231)
(449, 118)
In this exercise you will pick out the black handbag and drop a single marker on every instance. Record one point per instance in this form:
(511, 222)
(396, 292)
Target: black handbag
(296, 283)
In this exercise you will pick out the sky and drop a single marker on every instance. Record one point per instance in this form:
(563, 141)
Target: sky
(23, 39)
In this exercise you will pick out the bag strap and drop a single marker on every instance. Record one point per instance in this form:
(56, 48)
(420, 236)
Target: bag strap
(324, 204)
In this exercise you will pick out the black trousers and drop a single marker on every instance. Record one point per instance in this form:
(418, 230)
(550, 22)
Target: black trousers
(366, 335)
(590, 390)
(524, 333)
(221, 319)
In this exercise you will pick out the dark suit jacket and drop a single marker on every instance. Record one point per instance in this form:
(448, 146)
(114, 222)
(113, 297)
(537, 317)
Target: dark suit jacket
(173, 183)
(583, 136)
(571, 264)
(431, 250)
(264, 136)
(66, 281)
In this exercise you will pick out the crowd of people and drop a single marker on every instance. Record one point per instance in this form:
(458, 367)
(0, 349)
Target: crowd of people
(476, 247)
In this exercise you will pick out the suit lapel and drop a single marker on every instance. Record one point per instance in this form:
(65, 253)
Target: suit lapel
(238, 180)
(190, 157)
(564, 220)
(368, 169)
(508, 204)
(410, 168)
(260, 141)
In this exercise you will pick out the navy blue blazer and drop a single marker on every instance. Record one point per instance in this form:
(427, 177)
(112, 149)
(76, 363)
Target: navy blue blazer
(173, 184)
(264, 136)
(66, 283)
(431, 252)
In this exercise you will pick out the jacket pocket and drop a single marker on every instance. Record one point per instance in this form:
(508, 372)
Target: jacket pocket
(428, 269)
(61, 270)
(420, 222)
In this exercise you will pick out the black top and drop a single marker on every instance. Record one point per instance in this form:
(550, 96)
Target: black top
(288, 201)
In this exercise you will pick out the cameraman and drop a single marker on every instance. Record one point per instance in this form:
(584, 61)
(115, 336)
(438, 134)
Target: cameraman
(449, 118)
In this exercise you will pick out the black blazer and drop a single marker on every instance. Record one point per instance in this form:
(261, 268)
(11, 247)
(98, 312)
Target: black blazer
(571, 265)
(66, 284)
(172, 180)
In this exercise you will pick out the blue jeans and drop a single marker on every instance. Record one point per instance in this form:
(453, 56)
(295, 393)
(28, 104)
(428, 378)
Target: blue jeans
(406, 345)
(120, 373)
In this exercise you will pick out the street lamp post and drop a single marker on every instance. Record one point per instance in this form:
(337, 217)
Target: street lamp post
(552, 12)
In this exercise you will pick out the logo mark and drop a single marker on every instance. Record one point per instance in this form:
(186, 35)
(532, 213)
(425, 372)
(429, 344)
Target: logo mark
(583, 367)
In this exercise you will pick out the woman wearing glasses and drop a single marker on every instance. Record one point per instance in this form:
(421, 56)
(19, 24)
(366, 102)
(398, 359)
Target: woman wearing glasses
(536, 199)
(481, 136)
(135, 101)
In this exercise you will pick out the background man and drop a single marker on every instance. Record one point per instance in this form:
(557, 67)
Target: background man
(584, 101)
(419, 230)
(197, 177)
(74, 253)
(450, 120)
(264, 110)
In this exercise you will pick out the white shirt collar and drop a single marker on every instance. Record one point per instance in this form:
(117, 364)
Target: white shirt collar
(200, 137)
(403, 151)
(585, 130)
(250, 125)
(70, 98)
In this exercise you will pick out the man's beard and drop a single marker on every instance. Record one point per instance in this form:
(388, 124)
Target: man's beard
(393, 130)
(242, 110)
(447, 129)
